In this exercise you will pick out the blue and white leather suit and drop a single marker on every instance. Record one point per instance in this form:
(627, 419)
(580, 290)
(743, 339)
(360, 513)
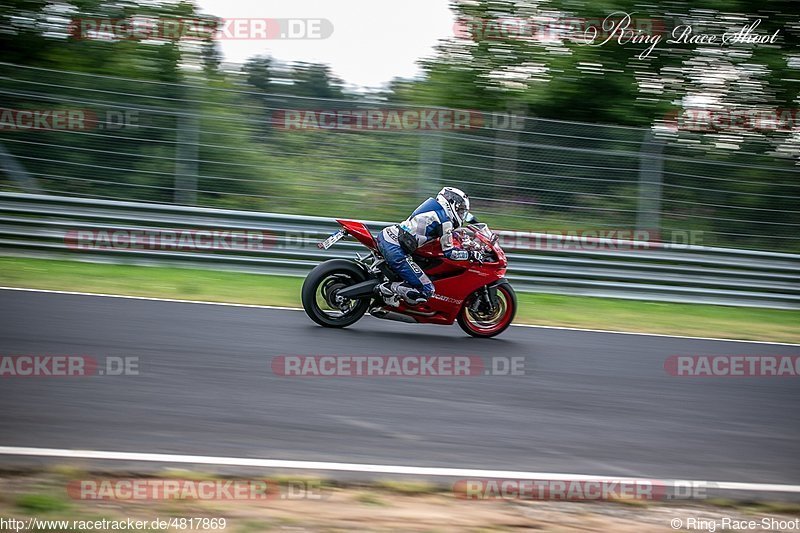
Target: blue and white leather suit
(429, 221)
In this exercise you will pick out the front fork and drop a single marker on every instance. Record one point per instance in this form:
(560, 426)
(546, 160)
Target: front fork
(487, 301)
(488, 295)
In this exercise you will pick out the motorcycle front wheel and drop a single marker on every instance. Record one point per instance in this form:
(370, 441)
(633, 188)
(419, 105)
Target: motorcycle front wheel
(481, 319)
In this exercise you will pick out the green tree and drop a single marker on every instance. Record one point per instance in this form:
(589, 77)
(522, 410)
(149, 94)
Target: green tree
(499, 61)
(315, 80)
(259, 73)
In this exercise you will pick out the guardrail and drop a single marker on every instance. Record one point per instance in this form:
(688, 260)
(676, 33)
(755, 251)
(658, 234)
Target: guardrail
(41, 225)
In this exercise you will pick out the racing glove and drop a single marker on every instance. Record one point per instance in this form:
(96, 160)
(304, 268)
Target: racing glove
(476, 256)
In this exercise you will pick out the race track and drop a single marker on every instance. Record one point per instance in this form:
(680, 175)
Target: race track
(591, 403)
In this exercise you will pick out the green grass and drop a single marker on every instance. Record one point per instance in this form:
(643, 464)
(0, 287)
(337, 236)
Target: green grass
(368, 498)
(577, 311)
(42, 503)
(408, 488)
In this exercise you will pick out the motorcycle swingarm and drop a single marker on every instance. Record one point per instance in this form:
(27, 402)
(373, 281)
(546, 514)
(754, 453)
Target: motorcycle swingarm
(359, 290)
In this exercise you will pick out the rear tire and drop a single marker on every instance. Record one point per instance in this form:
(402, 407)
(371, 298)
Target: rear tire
(319, 293)
(491, 325)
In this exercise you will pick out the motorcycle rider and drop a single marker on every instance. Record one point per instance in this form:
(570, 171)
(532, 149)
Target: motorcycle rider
(434, 218)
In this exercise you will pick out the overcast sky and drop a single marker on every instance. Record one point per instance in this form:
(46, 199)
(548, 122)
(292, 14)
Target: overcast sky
(373, 40)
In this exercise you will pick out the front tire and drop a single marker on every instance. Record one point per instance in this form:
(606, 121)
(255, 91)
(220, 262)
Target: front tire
(319, 294)
(491, 323)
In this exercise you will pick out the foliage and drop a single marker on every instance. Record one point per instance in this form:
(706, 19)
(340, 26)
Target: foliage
(208, 127)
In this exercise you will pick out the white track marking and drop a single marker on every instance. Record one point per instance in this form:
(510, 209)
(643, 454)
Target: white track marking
(255, 306)
(151, 298)
(653, 334)
(376, 469)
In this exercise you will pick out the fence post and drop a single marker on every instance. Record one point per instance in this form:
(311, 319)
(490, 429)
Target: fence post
(186, 152)
(17, 172)
(651, 166)
(505, 152)
(430, 162)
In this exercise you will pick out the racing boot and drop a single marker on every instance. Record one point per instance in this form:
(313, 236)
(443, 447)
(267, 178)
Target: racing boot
(390, 297)
(391, 292)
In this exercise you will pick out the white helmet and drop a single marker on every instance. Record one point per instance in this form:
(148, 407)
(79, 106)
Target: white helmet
(455, 202)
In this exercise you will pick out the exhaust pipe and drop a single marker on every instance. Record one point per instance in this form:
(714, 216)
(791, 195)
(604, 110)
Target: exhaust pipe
(393, 315)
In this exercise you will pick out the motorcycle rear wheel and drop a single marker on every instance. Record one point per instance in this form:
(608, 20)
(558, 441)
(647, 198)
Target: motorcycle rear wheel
(319, 294)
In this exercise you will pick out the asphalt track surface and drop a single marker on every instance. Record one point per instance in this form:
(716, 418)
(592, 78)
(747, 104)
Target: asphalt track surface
(590, 402)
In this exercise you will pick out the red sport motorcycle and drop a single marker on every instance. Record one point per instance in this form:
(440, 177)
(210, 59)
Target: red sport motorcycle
(338, 292)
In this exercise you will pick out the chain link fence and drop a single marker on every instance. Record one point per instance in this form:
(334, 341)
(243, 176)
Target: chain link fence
(221, 143)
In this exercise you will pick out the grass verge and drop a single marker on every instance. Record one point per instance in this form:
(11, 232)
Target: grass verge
(543, 309)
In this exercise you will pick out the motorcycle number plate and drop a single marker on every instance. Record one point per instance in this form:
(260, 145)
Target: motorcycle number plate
(330, 241)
